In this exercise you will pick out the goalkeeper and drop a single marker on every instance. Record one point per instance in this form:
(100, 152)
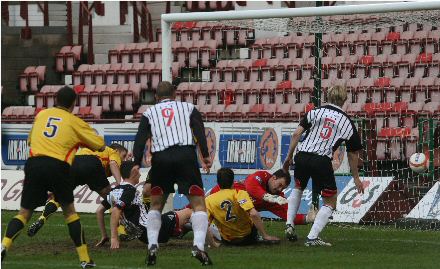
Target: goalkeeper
(266, 191)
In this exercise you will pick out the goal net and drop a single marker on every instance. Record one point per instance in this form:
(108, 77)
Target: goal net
(265, 74)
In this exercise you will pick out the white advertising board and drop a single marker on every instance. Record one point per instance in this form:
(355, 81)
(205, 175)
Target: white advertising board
(352, 206)
(429, 206)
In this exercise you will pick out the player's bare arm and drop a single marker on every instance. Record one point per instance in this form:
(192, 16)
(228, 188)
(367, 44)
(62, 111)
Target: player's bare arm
(353, 162)
(293, 143)
(256, 219)
(116, 172)
(101, 224)
(114, 222)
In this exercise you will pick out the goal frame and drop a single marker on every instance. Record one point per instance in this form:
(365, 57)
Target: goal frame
(168, 19)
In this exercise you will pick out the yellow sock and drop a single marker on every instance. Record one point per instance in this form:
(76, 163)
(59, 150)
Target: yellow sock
(83, 253)
(7, 242)
(121, 230)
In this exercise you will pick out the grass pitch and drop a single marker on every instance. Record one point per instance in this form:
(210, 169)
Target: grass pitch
(353, 247)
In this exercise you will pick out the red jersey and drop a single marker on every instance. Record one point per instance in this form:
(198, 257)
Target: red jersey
(256, 185)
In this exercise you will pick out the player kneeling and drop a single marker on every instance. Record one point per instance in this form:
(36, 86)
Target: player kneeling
(233, 212)
(129, 210)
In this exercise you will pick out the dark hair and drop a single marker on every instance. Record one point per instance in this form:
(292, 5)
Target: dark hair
(66, 97)
(281, 174)
(118, 147)
(164, 89)
(126, 167)
(225, 178)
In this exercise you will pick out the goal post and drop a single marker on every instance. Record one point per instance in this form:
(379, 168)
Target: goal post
(168, 19)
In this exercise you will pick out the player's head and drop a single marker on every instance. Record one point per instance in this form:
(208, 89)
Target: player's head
(66, 98)
(165, 90)
(126, 174)
(225, 178)
(120, 149)
(278, 182)
(337, 95)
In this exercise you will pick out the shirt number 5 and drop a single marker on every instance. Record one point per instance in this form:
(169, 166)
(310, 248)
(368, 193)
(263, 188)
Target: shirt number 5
(327, 128)
(51, 127)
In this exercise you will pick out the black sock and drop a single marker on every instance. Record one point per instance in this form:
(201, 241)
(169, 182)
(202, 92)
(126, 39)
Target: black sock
(50, 208)
(76, 233)
(12, 231)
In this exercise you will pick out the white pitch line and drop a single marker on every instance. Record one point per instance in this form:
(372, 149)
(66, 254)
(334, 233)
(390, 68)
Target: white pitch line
(391, 240)
(65, 265)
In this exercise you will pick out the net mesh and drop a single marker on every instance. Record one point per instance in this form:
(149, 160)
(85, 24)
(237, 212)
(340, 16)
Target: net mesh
(344, 23)
(387, 82)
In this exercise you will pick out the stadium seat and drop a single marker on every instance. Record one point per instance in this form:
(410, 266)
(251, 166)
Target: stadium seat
(8, 112)
(140, 111)
(95, 112)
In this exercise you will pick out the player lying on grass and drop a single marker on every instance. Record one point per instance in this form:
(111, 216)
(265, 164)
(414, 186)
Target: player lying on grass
(234, 214)
(266, 191)
(129, 210)
(123, 236)
(91, 168)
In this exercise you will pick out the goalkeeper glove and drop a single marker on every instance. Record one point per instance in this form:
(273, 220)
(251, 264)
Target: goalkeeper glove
(276, 199)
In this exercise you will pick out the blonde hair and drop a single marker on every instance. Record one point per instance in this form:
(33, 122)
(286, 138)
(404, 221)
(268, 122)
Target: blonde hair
(337, 95)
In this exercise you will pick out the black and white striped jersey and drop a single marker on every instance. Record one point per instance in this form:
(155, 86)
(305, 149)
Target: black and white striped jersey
(326, 128)
(129, 200)
(170, 123)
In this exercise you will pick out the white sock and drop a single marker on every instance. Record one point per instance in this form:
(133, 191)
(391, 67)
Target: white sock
(154, 221)
(215, 232)
(199, 220)
(321, 220)
(293, 205)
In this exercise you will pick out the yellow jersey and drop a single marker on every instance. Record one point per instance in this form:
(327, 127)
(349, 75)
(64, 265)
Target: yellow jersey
(105, 157)
(57, 133)
(228, 209)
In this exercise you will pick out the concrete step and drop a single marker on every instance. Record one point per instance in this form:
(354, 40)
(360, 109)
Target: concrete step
(101, 58)
(112, 38)
(53, 6)
(58, 23)
(105, 29)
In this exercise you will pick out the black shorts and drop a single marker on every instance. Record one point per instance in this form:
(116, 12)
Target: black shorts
(43, 174)
(176, 164)
(88, 169)
(320, 169)
(167, 229)
(249, 239)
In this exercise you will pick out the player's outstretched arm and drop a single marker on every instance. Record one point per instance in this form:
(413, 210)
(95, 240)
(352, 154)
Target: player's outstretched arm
(101, 224)
(116, 171)
(353, 162)
(256, 219)
(114, 222)
(293, 143)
